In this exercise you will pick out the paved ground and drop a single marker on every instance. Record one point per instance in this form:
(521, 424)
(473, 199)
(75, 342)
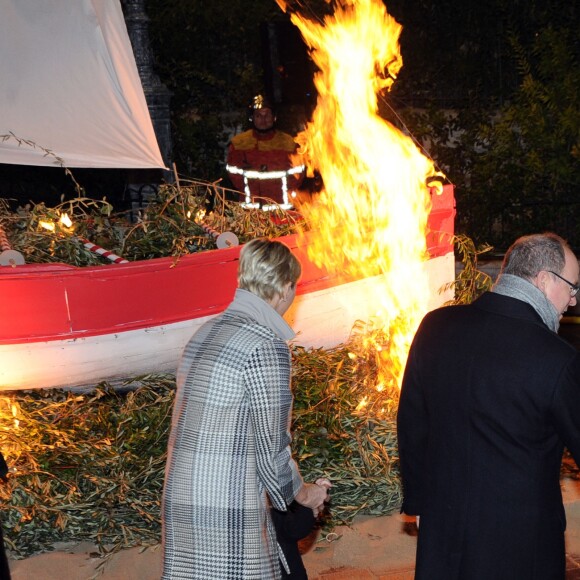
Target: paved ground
(379, 548)
(384, 548)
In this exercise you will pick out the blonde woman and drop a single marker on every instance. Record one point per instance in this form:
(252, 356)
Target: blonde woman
(229, 456)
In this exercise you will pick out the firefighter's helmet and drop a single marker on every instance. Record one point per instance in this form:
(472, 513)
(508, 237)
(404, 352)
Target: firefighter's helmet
(260, 102)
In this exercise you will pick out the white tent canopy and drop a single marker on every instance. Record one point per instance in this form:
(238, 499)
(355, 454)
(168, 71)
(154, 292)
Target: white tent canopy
(69, 84)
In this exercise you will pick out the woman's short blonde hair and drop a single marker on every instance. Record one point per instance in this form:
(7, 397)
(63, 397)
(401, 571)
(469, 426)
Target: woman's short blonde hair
(266, 267)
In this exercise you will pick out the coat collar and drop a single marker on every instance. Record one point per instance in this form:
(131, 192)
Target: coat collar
(253, 306)
(508, 306)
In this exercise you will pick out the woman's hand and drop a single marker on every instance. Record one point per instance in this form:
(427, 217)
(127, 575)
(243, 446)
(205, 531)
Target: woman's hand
(322, 481)
(314, 495)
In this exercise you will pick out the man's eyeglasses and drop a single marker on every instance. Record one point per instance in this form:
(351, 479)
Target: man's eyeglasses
(573, 287)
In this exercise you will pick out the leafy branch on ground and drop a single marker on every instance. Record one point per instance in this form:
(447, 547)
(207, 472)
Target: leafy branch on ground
(89, 466)
(85, 466)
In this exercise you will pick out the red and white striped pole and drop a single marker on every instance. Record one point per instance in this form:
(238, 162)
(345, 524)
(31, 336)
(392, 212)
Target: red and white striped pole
(102, 252)
(223, 240)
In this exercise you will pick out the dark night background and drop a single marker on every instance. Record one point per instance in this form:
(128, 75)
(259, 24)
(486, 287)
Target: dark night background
(491, 90)
(466, 63)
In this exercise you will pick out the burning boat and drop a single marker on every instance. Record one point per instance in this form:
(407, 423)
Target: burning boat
(379, 246)
(67, 326)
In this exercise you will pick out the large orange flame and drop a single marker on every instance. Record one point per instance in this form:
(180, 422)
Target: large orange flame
(371, 217)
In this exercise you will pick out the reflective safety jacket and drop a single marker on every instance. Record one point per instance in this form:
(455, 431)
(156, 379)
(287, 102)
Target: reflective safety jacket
(260, 166)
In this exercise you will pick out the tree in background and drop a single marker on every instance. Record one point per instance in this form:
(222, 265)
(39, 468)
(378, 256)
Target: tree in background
(514, 158)
(208, 54)
(490, 90)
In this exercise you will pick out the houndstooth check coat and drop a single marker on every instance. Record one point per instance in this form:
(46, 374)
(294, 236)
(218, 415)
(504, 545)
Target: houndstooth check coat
(229, 452)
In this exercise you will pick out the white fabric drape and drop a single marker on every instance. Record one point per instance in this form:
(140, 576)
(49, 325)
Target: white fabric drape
(69, 84)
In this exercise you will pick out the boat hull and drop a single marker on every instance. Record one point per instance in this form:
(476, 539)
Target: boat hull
(62, 326)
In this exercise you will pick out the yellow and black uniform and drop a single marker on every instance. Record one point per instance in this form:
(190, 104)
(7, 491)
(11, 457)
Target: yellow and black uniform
(260, 166)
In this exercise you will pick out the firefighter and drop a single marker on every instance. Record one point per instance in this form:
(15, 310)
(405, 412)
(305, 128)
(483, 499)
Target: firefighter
(261, 162)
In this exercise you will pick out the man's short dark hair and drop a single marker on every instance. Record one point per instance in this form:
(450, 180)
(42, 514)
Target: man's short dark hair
(529, 255)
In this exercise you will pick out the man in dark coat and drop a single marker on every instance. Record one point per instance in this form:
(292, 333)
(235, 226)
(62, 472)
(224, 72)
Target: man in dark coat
(490, 397)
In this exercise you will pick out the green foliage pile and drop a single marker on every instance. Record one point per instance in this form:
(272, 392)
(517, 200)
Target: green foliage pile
(84, 466)
(90, 466)
(170, 225)
(356, 448)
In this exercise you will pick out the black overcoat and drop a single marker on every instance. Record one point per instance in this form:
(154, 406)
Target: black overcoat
(490, 397)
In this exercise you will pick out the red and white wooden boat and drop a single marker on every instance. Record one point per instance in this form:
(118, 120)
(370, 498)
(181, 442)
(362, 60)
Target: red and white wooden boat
(63, 326)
